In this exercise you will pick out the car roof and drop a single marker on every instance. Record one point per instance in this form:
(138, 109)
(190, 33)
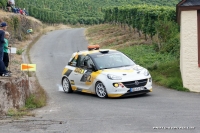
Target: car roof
(96, 52)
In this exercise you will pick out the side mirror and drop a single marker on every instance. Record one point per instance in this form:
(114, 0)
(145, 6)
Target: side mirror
(72, 63)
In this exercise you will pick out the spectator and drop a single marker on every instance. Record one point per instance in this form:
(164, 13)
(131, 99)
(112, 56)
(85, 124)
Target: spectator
(12, 2)
(25, 12)
(17, 10)
(8, 6)
(14, 9)
(5, 50)
(3, 71)
(21, 11)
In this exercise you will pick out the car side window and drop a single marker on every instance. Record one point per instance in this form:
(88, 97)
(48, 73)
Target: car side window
(77, 60)
(73, 62)
(90, 63)
(80, 61)
(87, 62)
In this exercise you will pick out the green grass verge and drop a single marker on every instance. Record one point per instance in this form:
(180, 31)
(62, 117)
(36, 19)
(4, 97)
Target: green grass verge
(18, 113)
(34, 101)
(164, 68)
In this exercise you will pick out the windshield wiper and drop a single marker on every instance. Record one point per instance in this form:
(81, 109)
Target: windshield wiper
(122, 66)
(126, 65)
(106, 68)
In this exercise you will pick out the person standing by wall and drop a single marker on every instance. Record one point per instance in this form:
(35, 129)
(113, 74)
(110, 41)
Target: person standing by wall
(8, 6)
(5, 50)
(3, 71)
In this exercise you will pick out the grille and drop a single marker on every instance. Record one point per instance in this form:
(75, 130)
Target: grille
(136, 83)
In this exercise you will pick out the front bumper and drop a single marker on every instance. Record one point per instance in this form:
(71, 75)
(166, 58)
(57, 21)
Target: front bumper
(136, 93)
(128, 93)
(125, 88)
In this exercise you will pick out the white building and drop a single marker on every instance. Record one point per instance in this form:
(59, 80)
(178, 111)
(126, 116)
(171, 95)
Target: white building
(188, 16)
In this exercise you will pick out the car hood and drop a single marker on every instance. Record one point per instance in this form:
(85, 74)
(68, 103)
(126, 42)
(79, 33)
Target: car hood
(126, 73)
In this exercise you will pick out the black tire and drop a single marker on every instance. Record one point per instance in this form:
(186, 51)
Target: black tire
(66, 85)
(100, 90)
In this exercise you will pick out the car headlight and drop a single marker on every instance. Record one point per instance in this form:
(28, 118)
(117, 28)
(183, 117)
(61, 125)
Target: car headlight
(113, 77)
(146, 73)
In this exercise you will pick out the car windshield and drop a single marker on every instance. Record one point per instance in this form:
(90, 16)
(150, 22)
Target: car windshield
(112, 60)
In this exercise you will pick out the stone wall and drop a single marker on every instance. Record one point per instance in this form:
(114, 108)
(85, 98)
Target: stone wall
(13, 93)
(189, 51)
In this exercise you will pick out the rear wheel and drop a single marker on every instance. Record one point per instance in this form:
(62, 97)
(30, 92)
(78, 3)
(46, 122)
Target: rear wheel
(66, 85)
(100, 90)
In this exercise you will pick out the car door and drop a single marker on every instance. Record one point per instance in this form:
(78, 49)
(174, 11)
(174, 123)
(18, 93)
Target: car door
(82, 73)
(72, 70)
(78, 72)
(87, 79)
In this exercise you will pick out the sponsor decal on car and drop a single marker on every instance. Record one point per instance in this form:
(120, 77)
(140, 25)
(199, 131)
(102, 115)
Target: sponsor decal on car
(86, 77)
(92, 77)
(79, 70)
(66, 72)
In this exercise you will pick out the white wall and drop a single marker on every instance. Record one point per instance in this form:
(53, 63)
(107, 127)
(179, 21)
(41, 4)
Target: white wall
(189, 51)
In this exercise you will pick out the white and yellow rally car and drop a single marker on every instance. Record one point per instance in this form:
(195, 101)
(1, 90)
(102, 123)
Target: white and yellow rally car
(106, 73)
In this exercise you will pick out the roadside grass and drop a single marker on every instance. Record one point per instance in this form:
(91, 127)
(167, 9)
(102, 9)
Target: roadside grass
(18, 113)
(163, 67)
(20, 51)
(37, 99)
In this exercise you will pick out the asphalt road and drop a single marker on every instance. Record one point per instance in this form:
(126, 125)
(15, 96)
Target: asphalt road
(161, 111)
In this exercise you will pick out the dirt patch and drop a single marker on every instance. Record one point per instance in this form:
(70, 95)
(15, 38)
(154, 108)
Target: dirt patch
(115, 36)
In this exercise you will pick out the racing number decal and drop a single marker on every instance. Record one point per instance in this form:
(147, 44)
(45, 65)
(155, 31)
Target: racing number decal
(86, 77)
(89, 78)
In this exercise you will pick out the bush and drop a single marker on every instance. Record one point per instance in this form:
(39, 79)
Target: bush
(20, 51)
(3, 3)
(172, 46)
(168, 37)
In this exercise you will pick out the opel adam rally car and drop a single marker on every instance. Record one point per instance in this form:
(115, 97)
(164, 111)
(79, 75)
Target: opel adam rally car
(106, 73)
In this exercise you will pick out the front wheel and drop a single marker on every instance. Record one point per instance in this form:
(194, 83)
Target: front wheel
(66, 85)
(100, 90)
